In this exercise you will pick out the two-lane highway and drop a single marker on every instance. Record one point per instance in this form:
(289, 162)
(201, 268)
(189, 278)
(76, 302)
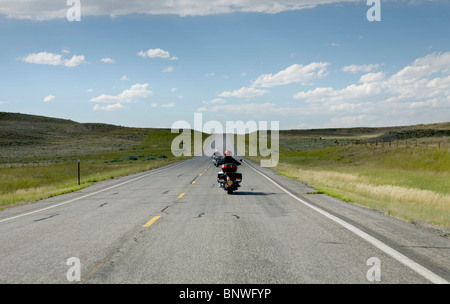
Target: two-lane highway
(175, 225)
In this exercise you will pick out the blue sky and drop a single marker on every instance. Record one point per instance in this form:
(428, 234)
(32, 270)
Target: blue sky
(152, 65)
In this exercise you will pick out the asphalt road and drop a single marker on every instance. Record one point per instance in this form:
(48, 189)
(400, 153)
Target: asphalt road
(175, 225)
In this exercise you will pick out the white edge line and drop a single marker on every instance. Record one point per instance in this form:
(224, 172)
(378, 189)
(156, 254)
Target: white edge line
(90, 194)
(424, 272)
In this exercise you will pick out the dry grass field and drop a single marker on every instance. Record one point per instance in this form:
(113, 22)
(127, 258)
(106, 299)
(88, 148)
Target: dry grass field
(401, 171)
(39, 155)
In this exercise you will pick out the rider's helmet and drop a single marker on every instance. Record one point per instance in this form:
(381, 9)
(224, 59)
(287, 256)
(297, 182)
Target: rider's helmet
(228, 153)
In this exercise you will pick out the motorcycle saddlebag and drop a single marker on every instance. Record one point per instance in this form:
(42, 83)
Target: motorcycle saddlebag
(237, 176)
(221, 177)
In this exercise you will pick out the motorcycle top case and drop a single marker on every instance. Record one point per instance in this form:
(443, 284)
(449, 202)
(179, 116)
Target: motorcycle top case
(234, 176)
(229, 168)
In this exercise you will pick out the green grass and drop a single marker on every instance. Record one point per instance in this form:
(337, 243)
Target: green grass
(412, 184)
(30, 178)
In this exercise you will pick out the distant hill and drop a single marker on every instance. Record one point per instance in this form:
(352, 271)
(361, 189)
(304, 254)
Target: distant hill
(31, 136)
(24, 136)
(387, 133)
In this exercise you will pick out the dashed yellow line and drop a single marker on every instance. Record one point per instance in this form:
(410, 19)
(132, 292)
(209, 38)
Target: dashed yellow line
(151, 221)
(181, 195)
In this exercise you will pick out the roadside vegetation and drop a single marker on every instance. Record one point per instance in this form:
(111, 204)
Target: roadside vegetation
(397, 172)
(39, 155)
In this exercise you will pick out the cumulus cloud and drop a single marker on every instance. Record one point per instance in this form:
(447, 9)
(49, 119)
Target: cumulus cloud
(156, 53)
(111, 107)
(168, 69)
(53, 59)
(168, 105)
(246, 108)
(48, 9)
(107, 60)
(214, 101)
(364, 68)
(49, 98)
(372, 77)
(424, 84)
(135, 92)
(244, 92)
(295, 73)
(418, 92)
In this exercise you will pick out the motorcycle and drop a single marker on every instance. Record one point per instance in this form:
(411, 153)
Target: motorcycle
(229, 179)
(216, 160)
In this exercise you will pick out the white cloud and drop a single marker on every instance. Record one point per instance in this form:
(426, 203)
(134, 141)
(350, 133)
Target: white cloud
(107, 60)
(372, 77)
(53, 59)
(425, 66)
(134, 92)
(424, 84)
(124, 78)
(49, 98)
(246, 108)
(47, 9)
(173, 89)
(244, 93)
(416, 93)
(364, 68)
(156, 53)
(295, 73)
(110, 107)
(168, 69)
(169, 105)
(214, 101)
(353, 120)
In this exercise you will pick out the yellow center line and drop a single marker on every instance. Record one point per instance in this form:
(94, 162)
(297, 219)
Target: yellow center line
(200, 174)
(193, 182)
(151, 221)
(181, 195)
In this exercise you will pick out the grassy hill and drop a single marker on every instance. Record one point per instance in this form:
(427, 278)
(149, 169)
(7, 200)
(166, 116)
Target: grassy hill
(30, 137)
(401, 171)
(39, 155)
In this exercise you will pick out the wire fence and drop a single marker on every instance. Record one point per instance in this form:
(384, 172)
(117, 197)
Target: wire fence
(406, 143)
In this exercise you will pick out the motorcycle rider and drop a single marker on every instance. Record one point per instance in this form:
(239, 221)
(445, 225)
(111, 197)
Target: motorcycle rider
(228, 159)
